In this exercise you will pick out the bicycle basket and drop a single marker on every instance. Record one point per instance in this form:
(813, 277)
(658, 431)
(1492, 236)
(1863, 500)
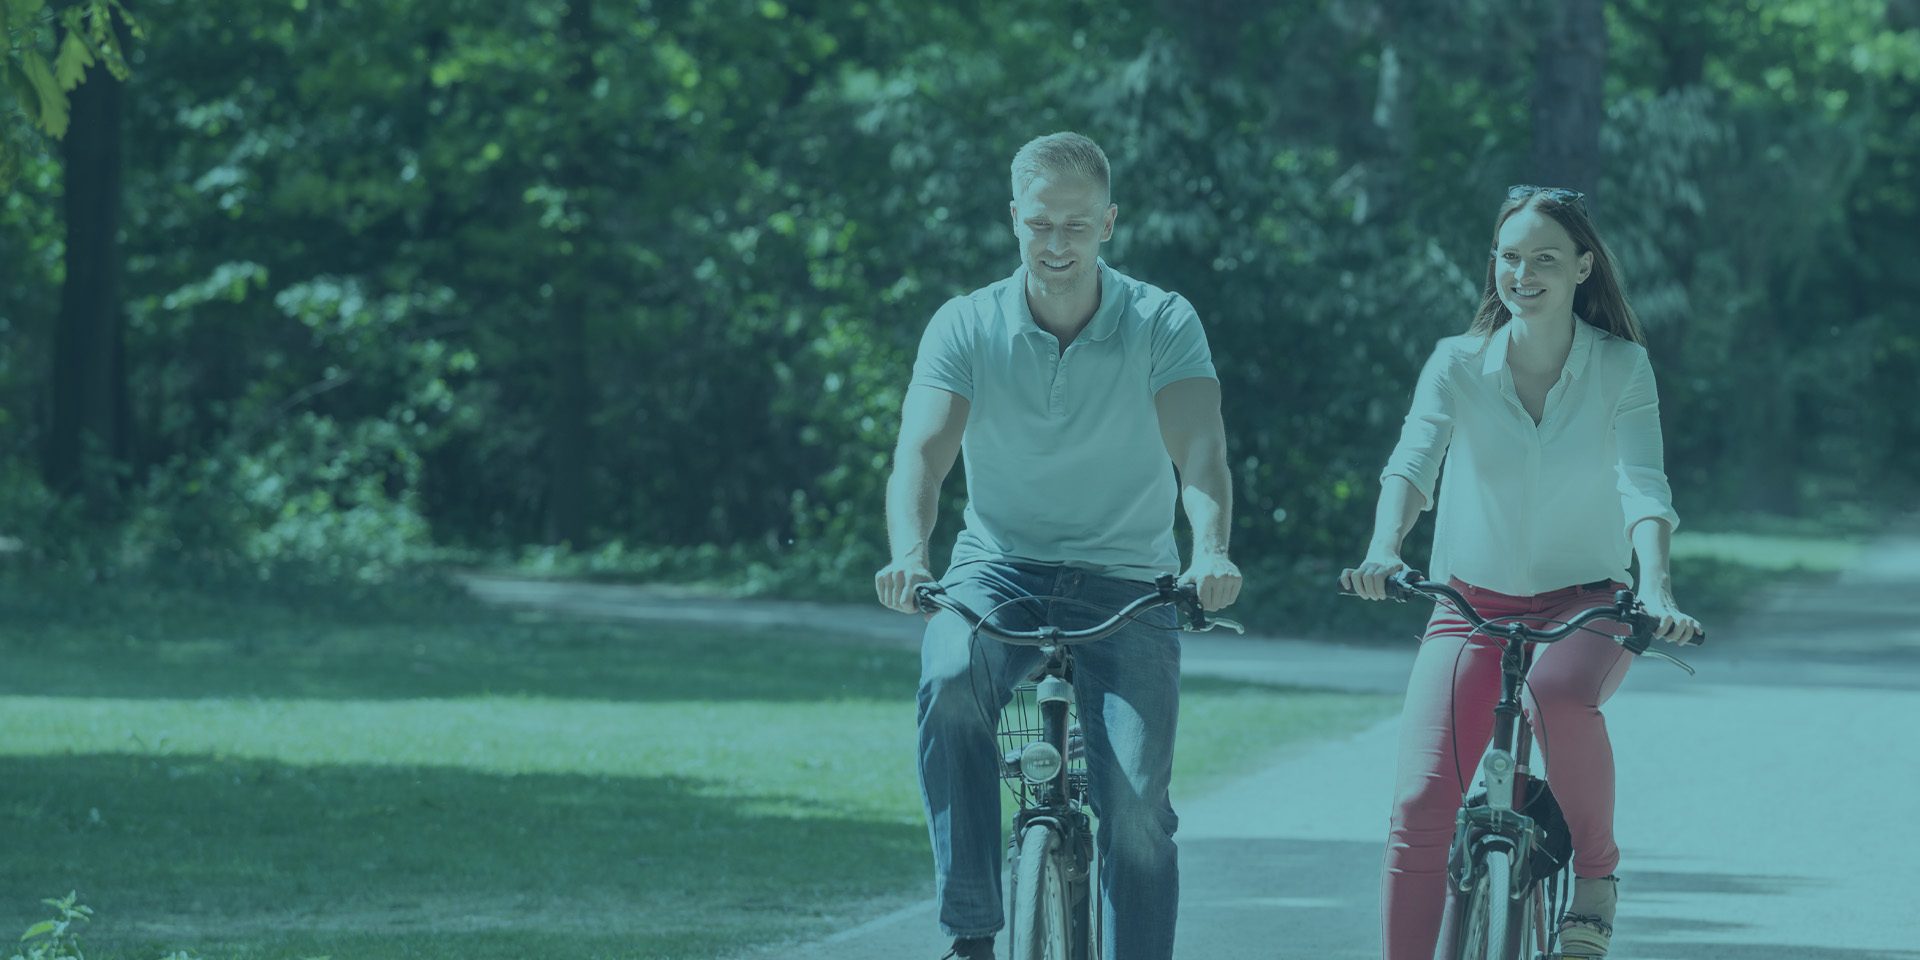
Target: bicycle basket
(1020, 725)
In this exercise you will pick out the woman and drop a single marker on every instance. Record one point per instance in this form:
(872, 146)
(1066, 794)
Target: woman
(1546, 416)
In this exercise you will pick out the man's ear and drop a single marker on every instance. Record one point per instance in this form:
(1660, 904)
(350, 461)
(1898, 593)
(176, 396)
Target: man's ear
(1113, 211)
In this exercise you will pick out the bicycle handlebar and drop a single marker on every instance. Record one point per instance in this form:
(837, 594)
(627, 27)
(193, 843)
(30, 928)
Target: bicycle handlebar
(1625, 609)
(932, 598)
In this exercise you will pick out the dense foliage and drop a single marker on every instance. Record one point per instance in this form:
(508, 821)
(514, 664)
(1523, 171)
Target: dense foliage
(650, 275)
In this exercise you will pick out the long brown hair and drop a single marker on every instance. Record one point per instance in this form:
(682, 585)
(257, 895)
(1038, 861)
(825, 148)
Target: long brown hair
(1598, 301)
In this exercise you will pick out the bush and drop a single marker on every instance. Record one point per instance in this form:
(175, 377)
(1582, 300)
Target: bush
(319, 501)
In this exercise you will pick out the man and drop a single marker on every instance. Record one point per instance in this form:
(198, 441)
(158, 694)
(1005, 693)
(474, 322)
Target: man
(1076, 392)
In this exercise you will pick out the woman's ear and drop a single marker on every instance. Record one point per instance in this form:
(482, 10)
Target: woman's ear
(1586, 267)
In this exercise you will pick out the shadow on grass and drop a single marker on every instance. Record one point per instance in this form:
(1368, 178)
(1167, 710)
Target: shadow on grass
(248, 858)
(154, 643)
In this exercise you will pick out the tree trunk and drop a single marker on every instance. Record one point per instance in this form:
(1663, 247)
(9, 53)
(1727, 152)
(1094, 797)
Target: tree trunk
(1391, 139)
(1567, 104)
(568, 488)
(89, 432)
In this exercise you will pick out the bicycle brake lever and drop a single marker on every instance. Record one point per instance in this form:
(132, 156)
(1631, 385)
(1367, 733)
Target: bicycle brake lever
(1233, 625)
(1670, 658)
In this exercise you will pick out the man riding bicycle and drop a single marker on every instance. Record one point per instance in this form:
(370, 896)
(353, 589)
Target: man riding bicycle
(1076, 392)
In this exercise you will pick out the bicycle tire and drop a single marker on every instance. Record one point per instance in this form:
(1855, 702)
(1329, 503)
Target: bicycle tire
(1043, 923)
(1486, 923)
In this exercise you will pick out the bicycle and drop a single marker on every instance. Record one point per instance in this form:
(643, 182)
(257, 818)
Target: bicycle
(1507, 867)
(1052, 908)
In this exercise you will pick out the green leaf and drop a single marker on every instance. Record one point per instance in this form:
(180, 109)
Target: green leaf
(53, 100)
(24, 10)
(70, 66)
(40, 929)
(23, 90)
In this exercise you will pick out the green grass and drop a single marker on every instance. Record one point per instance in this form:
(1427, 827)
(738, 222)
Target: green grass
(1770, 552)
(1719, 575)
(259, 778)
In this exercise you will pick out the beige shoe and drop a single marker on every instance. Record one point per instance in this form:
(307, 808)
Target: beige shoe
(1587, 926)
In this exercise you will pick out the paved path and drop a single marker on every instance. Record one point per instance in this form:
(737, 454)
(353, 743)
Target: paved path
(1216, 654)
(1765, 807)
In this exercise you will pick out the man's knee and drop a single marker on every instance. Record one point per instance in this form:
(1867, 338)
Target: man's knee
(1139, 828)
(954, 700)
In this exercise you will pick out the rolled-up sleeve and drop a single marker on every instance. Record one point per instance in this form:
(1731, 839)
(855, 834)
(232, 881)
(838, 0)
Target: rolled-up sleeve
(1644, 491)
(946, 354)
(1428, 427)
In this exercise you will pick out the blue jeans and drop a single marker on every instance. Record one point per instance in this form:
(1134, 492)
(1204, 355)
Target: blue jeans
(1128, 691)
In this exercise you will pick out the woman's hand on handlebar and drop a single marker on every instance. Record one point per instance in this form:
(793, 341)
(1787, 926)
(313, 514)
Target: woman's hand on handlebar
(1369, 579)
(1674, 626)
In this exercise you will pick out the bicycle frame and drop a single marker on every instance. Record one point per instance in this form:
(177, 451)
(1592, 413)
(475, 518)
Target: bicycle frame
(1054, 803)
(1498, 821)
(1504, 768)
(1494, 838)
(1052, 799)
(1049, 800)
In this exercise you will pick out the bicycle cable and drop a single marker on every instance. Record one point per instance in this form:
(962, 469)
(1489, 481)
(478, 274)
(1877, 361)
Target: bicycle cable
(1556, 887)
(1453, 683)
(975, 650)
(977, 653)
(1538, 722)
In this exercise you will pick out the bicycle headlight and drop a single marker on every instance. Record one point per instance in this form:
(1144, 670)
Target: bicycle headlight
(1039, 763)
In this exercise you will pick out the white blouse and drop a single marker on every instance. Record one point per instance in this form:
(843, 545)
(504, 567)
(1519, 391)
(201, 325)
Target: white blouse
(1527, 509)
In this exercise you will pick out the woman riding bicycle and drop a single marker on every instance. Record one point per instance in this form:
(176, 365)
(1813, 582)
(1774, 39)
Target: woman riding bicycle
(1545, 414)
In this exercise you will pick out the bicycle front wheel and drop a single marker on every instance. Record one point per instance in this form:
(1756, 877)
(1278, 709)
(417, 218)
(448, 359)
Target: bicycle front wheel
(1487, 922)
(1044, 922)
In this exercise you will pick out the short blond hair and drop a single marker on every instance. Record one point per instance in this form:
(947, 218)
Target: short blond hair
(1063, 152)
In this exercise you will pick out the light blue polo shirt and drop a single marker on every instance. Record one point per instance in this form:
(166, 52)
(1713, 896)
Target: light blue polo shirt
(1064, 458)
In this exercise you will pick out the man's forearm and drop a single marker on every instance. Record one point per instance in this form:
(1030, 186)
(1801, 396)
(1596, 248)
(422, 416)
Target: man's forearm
(1206, 491)
(913, 501)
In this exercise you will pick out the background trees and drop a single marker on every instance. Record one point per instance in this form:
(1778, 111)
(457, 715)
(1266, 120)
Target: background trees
(391, 275)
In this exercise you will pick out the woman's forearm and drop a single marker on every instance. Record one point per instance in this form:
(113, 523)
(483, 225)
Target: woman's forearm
(1399, 507)
(1652, 544)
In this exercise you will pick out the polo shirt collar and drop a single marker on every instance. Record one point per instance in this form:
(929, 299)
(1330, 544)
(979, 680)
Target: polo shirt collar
(1106, 316)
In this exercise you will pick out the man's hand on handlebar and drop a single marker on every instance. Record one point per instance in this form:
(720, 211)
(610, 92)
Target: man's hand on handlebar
(895, 582)
(1215, 579)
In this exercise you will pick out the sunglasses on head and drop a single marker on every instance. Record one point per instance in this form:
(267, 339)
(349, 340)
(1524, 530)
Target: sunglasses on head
(1572, 198)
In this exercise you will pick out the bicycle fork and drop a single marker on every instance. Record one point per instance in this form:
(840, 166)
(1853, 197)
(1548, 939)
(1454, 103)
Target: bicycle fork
(1503, 771)
(1054, 809)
